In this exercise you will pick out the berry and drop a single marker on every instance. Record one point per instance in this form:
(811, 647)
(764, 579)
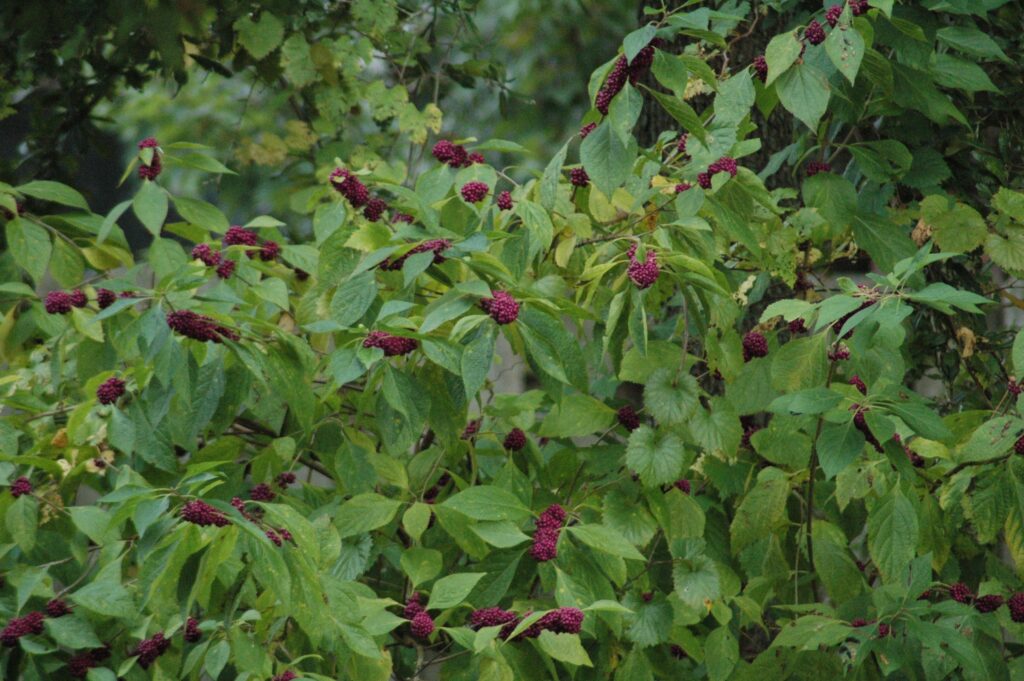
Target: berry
(262, 492)
(192, 633)
(198, 327)
(413, 606)
(681, 144)
(491, 617)
(642, 61)
(105, 298)
(612, 85)
(402, 217)
(754, 345)
(269, 251)
(515, 440)
(704, 180)
(645, 273)
(858, 383)
(453, 154)
(474, 192)
(503, 308)
(815, 167)
(860, 422)
(628, 418)
(226, 269)
(472, 428)
(858, 622)
(58, 302)
(989, 603)
(285, 479)
(545, 545)
(438, 246)
(78, 298)
(149, 143)
(110, 390)
(884, 630)
(151, 171)
(31, 623)
(1013, 387)
(814, 33)
(648, 596)
(682, 485)
(240, 236)
(562, 621)
(151, 648)
(504, 201)
(391, 345)
(374, 209)
(682, 187)
(422, 625)
(1018, 446)
(200, 513)
(286, 535)
(551, 518)
(858, 7)
(761, 67)
(475, 158)
(960, 593)
(839, 353)
(725, 164)
(587, 129)
(57, 608)
(20, 487)
(350, 186)
(79, 665)
(274, 537)
(578, 177)
(207, 255)
(1016, 604)
(832, 15)
(287, 675)
(797, 326)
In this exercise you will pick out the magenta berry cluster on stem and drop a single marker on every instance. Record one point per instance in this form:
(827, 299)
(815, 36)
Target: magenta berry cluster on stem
(545, 538)
(503, 308)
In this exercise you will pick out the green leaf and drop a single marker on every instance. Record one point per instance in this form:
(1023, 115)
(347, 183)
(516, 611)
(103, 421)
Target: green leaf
(1018, 354)
(365, 512)
(971, 41)
(804, 92)
(683, 113)
(638, 40)
(992, 439)
(260, 38)
(671, 396)
(606, 540)
(761, 512)
(892, 534)
(66, 264)
(845, 47)
(201, 213)
(203, 162)
(694, 575)
(576, 416)
(353, 299)
(72, 631)
(956, 228)
(486, 502)
(452, 590)
(607, 160)
(55, 192)
(502, 534)
(1008, 251)
(477, 357)
(421, 565)
(416, 520)
(150, 206)
(838, 446)
(564, 648)
(961, 74)
(624, 112)
(30, 246)
(21, 519)
(721, 653)
(886, 242)
(670, 71)
(107, 598)
(882, 161)
(782, 52)
(657, 457)
(548, 187)
(735, 97)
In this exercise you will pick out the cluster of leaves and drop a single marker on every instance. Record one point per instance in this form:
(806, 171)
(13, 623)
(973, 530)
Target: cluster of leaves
(309, 463)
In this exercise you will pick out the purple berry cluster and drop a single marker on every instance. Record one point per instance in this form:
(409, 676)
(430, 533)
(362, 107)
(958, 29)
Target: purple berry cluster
(761, 68)
(236, 236)
(628, 418)
(545, 538)
(391, 345)
(262, 492)
(491, 617)
(20, 487)
(814, 33)
(515, 440)
(57, 607)
(916, 460)
(797, 326)
(725, 164)
(504, 201)
(402, 217)
(438, 246)
(471, 429)
(754, 345)
(683, 485)
(198, 512)
(105, 298)
(622, 71)
(192, 633)
(199, 327)
(151, 648)
(286, 675)
(421, 624)
(79, 665)
(31, 623)
(474, 192)
(503, 308)
(559, 621)
(150, 171)
(860, 422)
(838, 353)
(858, 383)
(374, 209)
(455, 155)
(1018, 447)
(682, 187)
(578, 177)
(1016, 605)
(350, 186)
(815, 167)
(587, 129)
(285, 479)
(832, 15)
(61, 302)
(642, 273)
(110, 390)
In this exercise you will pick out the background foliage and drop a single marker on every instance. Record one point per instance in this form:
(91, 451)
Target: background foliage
(761, 306)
